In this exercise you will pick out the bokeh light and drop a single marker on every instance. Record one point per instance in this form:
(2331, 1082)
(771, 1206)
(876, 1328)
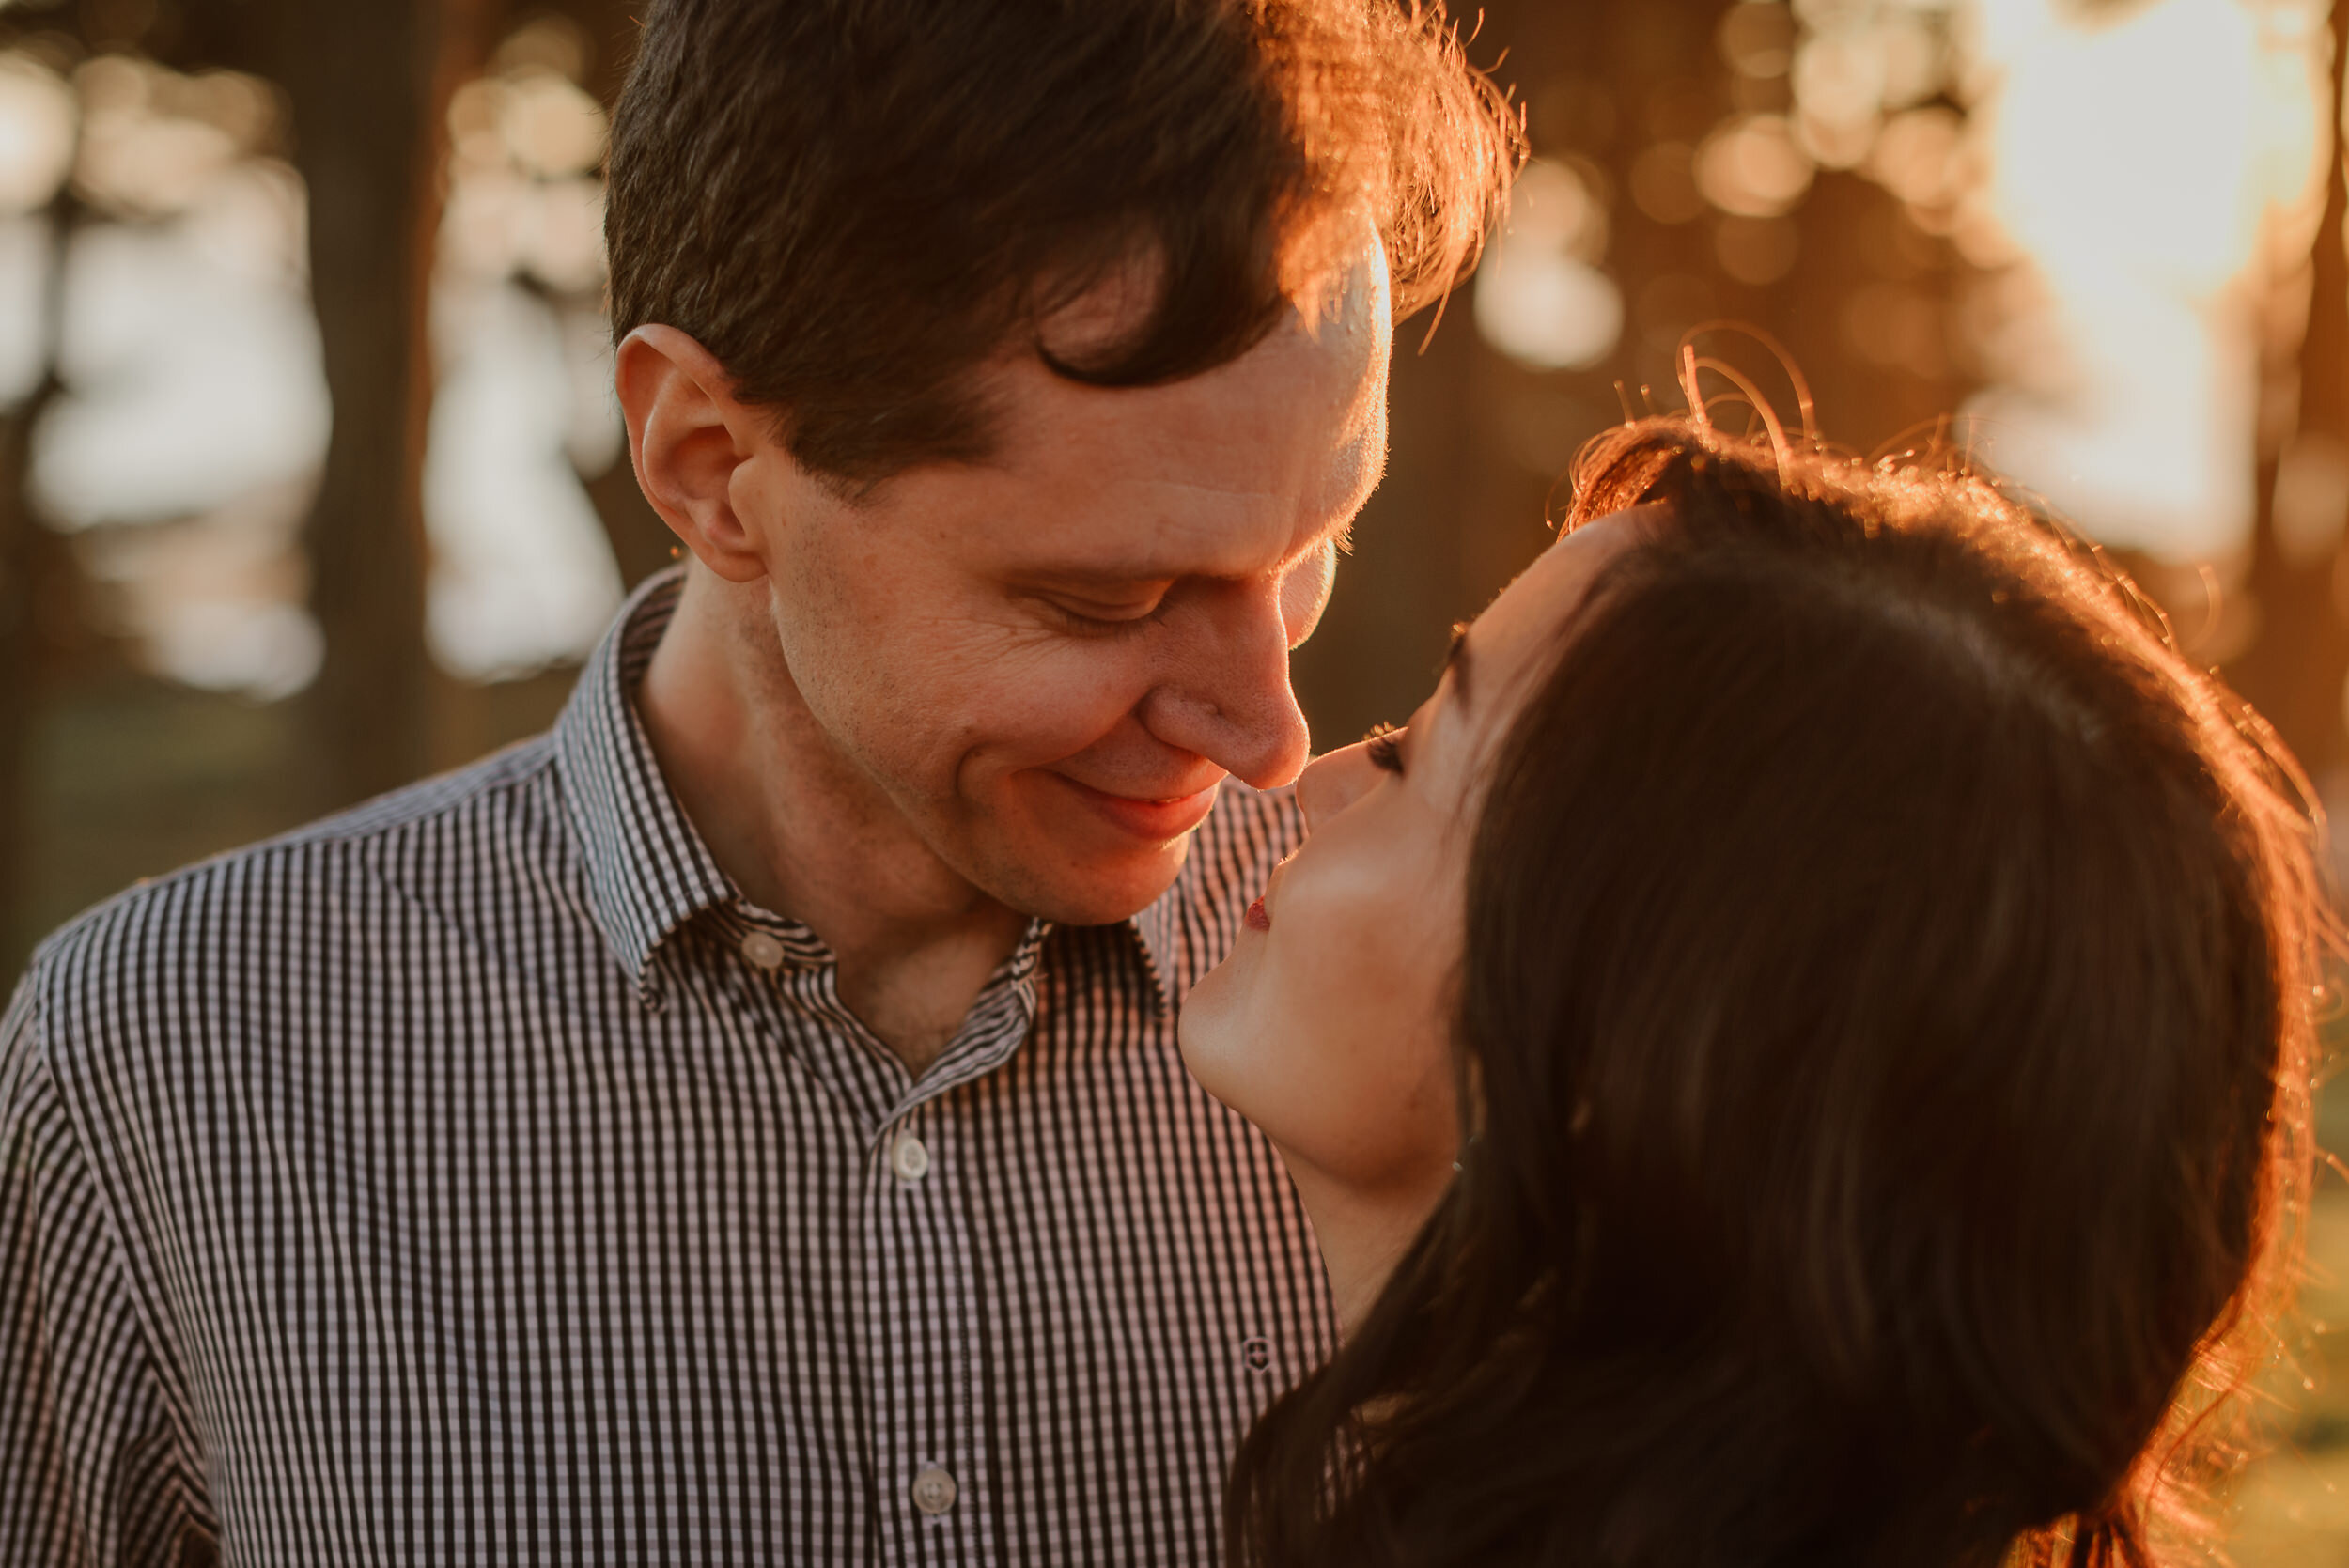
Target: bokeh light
(1540, 297)
(182, 450)
(523, 574)
(2139, 166)
(185, 447)
(38, 122)
(2118, 183)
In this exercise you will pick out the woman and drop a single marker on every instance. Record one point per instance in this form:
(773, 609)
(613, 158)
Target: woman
(1797, 1054)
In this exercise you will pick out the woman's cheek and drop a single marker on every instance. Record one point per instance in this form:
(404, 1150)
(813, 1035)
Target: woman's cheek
(1365, 986)
(1383, 1116)
(1410, 960)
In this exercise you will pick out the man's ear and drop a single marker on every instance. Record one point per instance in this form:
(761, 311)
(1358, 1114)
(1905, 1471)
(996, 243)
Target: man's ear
(688, 435)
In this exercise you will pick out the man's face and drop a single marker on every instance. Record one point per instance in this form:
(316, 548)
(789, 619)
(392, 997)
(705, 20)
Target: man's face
(1047, 663)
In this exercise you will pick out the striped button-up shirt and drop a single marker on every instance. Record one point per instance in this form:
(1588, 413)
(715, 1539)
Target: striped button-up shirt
(478, 1177)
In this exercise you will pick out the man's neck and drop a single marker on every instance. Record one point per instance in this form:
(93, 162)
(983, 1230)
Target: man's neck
(804, 833)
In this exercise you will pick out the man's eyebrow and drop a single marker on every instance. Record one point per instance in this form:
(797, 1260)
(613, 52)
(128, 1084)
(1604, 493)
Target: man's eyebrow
(1456, 662)
(1119, 574)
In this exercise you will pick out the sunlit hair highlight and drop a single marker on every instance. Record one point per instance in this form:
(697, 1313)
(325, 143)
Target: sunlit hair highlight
(1889, 989)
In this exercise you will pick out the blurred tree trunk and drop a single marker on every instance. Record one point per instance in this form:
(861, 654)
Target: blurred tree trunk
(641, 542)
(359, 77)
(369, 83)
(20, 583)
(2295, 667)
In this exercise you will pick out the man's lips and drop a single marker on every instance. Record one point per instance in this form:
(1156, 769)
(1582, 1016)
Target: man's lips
(1155, 820)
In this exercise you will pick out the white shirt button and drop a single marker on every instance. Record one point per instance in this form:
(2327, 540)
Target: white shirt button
(933, 1491)
(911, 1161)
(763, 949)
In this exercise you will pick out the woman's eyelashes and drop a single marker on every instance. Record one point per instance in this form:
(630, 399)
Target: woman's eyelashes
(1384, 748)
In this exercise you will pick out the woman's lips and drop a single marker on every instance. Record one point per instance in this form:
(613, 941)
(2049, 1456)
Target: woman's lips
(1157, 821)
(1259, 916)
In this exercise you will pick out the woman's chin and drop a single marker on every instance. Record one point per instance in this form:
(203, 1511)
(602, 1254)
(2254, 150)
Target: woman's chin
(1206, 1027)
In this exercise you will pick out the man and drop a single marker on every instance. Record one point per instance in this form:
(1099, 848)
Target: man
(745, 1123)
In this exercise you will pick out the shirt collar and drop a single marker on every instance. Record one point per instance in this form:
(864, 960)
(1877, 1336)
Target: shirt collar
(649, 872)
(1158, 930)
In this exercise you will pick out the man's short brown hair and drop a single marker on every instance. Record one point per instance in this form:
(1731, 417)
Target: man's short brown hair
(854, 203)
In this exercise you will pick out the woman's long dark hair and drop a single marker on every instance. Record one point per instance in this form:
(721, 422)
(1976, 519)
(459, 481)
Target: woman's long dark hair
(1886, 1009)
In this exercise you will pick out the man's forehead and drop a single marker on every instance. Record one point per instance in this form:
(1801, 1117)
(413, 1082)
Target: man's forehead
(1180, 531)
(1328, 371)
(1257, 460)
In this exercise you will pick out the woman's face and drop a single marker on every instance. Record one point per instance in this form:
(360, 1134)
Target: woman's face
(1330, 1024)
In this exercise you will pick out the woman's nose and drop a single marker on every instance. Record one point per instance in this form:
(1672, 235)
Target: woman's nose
(1331, 783)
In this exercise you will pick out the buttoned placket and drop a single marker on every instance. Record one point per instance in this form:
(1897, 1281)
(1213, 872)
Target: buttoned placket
(922, 1311)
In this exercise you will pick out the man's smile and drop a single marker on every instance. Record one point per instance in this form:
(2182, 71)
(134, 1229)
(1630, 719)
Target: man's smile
(1154, 820)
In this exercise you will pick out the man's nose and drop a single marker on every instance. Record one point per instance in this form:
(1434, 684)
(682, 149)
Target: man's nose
(1333, 782)
(1225, 693)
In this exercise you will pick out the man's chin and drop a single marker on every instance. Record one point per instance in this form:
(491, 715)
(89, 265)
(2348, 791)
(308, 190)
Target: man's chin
(1100, 892)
